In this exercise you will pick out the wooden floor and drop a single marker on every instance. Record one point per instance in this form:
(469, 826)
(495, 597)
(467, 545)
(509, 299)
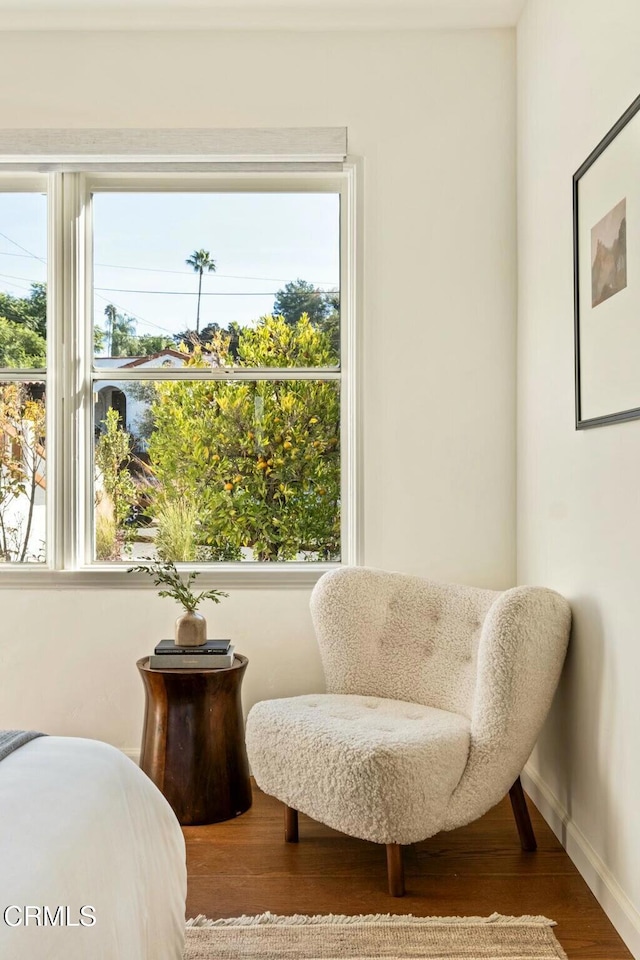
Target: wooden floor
(243, 866)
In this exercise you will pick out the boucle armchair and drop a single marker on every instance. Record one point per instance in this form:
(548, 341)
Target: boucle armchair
(436, 696)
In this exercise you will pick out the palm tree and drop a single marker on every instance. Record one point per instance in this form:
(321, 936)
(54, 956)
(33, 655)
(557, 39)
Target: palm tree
(122, 336)
(200, 260)
(110, 313)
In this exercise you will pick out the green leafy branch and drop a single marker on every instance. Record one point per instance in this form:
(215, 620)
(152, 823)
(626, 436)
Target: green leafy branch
(178, 589)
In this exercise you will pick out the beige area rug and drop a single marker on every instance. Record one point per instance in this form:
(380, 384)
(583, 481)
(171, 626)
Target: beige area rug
(271, 937)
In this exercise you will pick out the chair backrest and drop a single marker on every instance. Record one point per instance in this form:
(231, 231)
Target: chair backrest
(393, 635)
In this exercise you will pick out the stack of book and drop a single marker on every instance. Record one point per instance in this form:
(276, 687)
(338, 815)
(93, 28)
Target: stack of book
(210, 655)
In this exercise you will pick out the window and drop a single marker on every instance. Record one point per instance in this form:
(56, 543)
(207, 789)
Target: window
(201, 397)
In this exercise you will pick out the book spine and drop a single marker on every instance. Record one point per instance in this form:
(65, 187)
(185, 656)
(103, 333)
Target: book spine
(190, 653)
(210, 646)
(183, 661)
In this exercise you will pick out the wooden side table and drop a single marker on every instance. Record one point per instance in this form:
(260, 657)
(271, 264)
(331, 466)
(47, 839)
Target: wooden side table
(193, 740)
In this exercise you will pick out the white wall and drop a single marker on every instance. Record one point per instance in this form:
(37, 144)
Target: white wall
(433, 116)
(578, 492)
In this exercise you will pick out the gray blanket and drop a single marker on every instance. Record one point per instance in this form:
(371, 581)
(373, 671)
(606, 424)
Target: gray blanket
(10, 740)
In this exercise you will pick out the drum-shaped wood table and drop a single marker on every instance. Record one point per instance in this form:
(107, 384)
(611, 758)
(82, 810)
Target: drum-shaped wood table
(193, 740)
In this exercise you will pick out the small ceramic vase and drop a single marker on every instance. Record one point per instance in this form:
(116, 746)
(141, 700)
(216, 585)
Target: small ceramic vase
(191, 629)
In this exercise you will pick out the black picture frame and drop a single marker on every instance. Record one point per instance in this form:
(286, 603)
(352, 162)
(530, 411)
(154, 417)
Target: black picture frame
(632, 413)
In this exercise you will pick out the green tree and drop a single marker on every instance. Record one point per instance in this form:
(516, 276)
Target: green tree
(300, 297)
(29, 317)
(331, 323)
(127, 344)
(190, 340)
(123, 336)
(21, 346)
(29, 312)
(260, 458)
(37, 308)
(148, 344)
(99, 339)
(200, 260)
(111, 313)
(116, 490)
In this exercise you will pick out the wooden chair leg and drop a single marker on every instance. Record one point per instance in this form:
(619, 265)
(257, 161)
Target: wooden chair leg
(290, 825)
(522, 818)
(395, 870)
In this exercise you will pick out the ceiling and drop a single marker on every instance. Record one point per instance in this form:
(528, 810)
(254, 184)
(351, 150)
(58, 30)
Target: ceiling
(256, 14)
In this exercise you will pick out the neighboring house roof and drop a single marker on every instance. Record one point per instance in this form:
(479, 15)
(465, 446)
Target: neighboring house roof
(120, 363)
(167, 352)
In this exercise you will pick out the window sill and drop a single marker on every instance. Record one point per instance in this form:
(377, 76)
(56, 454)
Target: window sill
(224, 577)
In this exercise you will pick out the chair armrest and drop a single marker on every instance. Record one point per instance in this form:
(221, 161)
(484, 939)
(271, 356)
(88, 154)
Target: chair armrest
(520, 656)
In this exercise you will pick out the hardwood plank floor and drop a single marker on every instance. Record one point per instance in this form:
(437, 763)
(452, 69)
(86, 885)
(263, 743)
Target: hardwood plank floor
(244, 866)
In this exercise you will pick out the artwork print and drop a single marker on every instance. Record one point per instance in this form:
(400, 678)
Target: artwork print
(609, 254)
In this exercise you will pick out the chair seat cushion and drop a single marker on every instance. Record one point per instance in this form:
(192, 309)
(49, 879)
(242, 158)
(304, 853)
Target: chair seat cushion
(374, 768)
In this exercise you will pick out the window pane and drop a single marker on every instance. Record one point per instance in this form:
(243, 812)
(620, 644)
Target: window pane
(23, 281)
(176, 273)
(199, 471)
(23, 463)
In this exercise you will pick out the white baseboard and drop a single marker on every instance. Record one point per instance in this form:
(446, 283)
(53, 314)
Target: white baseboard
(602, 883)
(132, 752)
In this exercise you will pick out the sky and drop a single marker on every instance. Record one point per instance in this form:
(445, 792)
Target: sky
(23, 241)
(259, 241)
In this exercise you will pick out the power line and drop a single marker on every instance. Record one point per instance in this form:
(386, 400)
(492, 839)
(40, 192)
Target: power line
(181, 273)
(189, 273)
(170, 293)
(136, 316)
(190, 293)
(149, 323)
(25, 256)
(18, 286)
(34, 256)
(20, 247)
(8, 276)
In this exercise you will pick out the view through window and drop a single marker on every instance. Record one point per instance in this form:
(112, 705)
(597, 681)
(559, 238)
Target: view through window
(216, 376)
(23, 349)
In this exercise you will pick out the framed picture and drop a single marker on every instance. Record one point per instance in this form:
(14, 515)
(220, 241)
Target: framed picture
(606, 251)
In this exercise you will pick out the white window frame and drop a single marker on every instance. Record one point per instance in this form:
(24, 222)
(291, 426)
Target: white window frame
(70, 375)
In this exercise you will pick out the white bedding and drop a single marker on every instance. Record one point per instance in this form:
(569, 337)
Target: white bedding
(81, 825)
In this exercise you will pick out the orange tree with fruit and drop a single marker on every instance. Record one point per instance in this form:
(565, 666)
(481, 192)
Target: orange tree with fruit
(261, 459)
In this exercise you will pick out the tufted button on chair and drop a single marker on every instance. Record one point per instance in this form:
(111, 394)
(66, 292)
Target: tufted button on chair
(436, 696)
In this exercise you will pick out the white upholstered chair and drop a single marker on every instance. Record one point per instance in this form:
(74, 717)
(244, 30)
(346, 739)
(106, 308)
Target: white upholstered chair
(436, 696)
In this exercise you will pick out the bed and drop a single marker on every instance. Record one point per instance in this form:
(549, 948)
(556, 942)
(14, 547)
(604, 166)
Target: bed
(82, 827)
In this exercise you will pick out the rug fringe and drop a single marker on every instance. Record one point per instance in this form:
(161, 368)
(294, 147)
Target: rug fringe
(299, 919)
